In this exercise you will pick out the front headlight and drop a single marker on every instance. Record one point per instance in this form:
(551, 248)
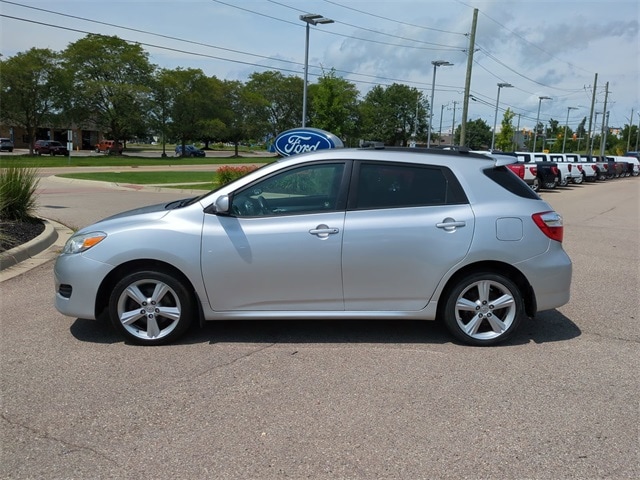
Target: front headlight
(80, 243)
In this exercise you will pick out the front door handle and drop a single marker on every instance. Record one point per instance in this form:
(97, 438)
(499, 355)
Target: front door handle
(323, 231)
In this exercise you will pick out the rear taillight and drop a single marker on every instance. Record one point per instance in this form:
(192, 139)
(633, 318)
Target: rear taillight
(517, 169)
(594, 168)
(579, 168)
(569, 166)
(534, 171)
(554, 170)
(550, 223)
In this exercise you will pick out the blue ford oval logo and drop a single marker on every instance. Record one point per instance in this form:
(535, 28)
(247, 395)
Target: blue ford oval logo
(302, 140)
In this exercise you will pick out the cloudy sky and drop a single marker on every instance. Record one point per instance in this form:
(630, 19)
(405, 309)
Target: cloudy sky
(542, 48)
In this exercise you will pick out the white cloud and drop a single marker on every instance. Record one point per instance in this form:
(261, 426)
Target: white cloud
(541, 47)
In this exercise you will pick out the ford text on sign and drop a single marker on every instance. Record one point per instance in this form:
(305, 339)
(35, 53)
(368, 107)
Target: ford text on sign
(302, 140)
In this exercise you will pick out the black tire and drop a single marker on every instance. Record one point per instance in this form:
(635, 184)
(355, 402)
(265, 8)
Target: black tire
(151, 307)
(97, 150)
(472, 314)
(549, 184)
(536, 185)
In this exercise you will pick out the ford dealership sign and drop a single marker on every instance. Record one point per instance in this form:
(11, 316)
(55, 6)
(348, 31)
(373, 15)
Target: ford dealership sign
(302, 140)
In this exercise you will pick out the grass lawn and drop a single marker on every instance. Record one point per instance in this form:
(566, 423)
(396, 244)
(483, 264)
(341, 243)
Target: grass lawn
(35, 161)
(195, 180)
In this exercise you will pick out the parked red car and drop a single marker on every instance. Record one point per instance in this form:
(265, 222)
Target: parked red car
(50, 147)
(108, 146)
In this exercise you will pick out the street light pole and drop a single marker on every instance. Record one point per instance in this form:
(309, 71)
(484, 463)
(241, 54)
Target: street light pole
(535, 129)
(309, 19)
(436, 64)
(495, 117)
(566, 124)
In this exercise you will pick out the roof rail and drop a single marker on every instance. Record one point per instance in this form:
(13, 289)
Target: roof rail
(371, 144)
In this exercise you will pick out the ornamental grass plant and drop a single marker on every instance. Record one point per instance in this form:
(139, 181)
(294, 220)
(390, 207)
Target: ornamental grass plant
(18, 193)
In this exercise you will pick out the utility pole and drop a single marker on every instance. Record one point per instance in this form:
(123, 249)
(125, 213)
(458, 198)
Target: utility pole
(605, 119)
(637, 132)
(453, 124)
(629, 133)
(593, 102)
(467, 84)
(515, 134)
(440, 130)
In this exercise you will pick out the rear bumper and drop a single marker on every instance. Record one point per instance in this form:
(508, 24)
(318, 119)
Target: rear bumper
(550, 277)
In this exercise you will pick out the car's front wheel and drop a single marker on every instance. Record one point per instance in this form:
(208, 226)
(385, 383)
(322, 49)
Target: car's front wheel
(151, 307)
(483, 309)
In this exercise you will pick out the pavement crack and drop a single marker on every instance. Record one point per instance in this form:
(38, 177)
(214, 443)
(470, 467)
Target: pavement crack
(235, 360)
(68, 446)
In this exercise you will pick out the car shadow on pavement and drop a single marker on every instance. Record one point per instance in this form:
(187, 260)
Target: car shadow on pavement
(549, 326)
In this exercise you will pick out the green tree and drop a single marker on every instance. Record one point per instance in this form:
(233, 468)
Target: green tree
(110, 82)
(191, 105)
(478, 134)
(159, 113)
(334, 106)
(242, 107)
(504, 139)
(393, 114)
(31, 86)
(281, 101)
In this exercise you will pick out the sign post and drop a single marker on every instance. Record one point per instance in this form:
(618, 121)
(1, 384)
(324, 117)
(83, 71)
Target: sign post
(69, 143)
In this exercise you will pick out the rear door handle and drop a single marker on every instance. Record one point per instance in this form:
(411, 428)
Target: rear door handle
(449, 224)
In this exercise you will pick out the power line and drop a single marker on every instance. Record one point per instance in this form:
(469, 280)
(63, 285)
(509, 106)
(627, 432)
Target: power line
(327, 32)
(370, 30)
(394, 21)
(215, 57)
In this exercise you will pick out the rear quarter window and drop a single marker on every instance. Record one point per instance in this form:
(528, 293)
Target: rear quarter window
(510, 181)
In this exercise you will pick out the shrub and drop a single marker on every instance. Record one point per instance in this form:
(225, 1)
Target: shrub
(17, 193)
(227, 174)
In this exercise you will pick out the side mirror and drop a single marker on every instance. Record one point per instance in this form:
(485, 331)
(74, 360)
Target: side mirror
(222, 204)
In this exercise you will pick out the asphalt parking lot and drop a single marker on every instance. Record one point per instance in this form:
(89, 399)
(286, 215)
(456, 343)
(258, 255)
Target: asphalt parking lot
(332, 400)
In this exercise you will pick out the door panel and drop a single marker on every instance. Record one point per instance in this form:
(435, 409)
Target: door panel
(281, 248)
(273, 263)
(393, 259)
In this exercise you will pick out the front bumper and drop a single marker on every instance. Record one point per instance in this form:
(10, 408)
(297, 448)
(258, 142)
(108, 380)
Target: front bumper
(77, 281)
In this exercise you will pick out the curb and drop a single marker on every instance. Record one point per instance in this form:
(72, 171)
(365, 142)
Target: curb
(35, 252)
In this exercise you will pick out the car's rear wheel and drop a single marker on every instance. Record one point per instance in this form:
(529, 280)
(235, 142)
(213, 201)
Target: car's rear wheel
(150, 307)
(483, 309)
(549, 184)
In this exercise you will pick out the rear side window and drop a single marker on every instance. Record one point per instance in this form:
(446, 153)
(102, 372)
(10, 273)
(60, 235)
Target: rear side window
(511, 182)
(384, 185)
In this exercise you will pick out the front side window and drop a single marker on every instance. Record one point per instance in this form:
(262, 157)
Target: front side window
(306, 189)
(389, 186)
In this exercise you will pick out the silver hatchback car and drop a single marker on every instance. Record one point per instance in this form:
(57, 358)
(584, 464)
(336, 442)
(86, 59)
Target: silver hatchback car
(335, 234)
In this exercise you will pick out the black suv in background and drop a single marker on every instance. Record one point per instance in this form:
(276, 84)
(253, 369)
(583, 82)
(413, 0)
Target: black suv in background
(6, 144)
(50, 147)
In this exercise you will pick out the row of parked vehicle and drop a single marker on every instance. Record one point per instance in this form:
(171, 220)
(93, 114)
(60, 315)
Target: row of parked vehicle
(550, 170)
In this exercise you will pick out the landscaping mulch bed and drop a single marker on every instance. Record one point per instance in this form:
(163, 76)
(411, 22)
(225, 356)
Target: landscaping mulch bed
(14, 233)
